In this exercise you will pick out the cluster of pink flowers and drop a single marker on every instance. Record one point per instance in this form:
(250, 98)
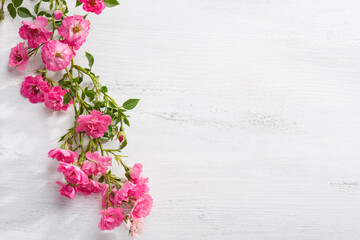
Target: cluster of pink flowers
(85, 170)
(37, 90)
(56, 54)
(135, 191)
(80, 178)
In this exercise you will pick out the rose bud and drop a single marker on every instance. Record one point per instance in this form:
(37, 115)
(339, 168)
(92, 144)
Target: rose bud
(58, 14)
(121, 136)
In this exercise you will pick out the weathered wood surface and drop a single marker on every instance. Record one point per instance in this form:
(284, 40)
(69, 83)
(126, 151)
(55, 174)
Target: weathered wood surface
(248, 125)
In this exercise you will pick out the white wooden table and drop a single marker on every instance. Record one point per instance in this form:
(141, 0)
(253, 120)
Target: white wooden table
(248, 125)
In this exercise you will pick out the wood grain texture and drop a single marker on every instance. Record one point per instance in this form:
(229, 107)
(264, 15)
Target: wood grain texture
(248, 125)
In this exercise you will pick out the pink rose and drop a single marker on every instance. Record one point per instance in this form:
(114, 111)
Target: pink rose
(95, 6)
(54, 99)
(36, 33)
(96, 163)
(95, 124)
(141, 187)
(72, 173)
(19, 57)
(136, 171)
(58, 14)
(75, 29)
(112, 218)
(124, 192)
(142, 207)
(34, 88)
(135, 227)
(56, 55)
(90, 187)
(67, 190)
(63, 155)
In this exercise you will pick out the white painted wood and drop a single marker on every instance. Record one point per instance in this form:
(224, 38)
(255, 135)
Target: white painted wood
(248, 125)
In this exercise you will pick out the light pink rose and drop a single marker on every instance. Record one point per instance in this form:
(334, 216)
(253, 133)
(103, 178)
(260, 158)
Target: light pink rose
(112, 218)
(141, 187)
(94, 125)
(142, 207)
(58, 14)
(72, 173)
(56, 55)
(34, 88)
(67, 190)
(136, 171)
(95, 6)
(124, 192)
(36, 33)
(95, 163)
(75, 29)
(54, 99)
(63, 155)
(90, 187)
(19, 57)
(136, 227)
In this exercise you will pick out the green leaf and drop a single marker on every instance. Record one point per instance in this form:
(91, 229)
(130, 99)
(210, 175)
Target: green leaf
(48, 15)
(111, 3)
(90, 59)
(112, 104)
(23, 12)
(41, 13)
(58, 23)
(126, 121)
(78, 3)
(104, 89)
(67, 98)
(36, 7)
(130, 104)
(123, 144)
(17, 3)
(90, 94)
(11, 10)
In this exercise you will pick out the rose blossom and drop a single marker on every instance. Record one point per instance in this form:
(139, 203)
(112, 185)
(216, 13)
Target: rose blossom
(63, 155)
(124, 192)
(54, 99)
(95, 163)
(141, 187)
(95, 124)
(36, 33)
(95, 6)
(75, 29)
(57, 14)
(72, 173)
(19, 57)
(135, 227)
(34, 88)
(90, 187)
(112, 218)
(67, 190)
(136, 171)
(142, 206)
(56, 55)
